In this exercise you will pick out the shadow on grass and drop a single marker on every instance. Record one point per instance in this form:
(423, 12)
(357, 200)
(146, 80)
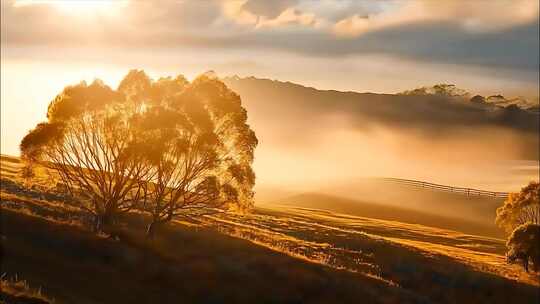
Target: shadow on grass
(181, 265)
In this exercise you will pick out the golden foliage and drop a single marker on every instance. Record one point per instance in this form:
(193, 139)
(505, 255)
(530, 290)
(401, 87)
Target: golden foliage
(520, 208)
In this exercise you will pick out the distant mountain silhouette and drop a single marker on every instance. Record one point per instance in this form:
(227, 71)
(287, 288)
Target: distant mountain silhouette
(278, 103)
(450, 90)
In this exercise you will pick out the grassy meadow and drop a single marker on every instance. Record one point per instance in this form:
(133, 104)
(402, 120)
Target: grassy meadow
(275, 254)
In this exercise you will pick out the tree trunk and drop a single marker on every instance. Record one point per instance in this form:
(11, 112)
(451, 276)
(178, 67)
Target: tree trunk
(156, 222)
(103, 223)
(96, 227)
(151, 230)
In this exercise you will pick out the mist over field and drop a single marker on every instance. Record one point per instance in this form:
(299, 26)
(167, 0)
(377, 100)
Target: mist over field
(327, 138)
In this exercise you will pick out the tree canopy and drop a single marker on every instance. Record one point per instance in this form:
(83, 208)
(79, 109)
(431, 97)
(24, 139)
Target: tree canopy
(520, 208)
(167, 146)
(441, 89)
(524, 244)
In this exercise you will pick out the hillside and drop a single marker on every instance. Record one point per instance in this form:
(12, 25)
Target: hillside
(423, 112)
(419, 213)
(274, 254)
(323, 141)
(187, 265)
(475, 208)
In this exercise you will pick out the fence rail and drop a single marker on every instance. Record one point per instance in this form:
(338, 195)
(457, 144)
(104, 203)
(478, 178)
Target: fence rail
(457, 190)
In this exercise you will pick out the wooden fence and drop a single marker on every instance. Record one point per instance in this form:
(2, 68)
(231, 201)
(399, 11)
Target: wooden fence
(457, 190)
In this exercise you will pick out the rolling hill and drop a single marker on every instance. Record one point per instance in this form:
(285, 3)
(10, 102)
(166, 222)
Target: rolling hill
(274, 254)
(272, 103)
(422, 213)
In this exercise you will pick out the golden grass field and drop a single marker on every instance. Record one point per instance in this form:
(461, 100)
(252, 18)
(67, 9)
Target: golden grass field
(275, 254)
(331, 239)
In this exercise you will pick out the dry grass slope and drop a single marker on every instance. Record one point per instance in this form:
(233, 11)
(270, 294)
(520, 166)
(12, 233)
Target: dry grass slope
(276, 254)
(13, 290)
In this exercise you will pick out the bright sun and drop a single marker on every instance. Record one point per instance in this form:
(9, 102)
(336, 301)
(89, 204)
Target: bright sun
(79, 7)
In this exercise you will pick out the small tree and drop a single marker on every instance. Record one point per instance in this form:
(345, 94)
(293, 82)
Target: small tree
(478, 99)
(441, 89)
(520, 208)
(524, 245)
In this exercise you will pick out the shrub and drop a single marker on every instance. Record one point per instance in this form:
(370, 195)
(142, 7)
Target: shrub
(524, 245)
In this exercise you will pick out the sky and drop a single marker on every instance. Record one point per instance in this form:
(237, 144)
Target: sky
(483, 46)
(380, 46)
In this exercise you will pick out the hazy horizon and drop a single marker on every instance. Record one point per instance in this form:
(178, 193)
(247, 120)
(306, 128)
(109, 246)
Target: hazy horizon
(323, 166)
(350, 46)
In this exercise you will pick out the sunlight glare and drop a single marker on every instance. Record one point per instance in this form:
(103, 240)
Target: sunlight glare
(82, 7)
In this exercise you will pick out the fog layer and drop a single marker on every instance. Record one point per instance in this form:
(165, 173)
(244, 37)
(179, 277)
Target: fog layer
(310, 139)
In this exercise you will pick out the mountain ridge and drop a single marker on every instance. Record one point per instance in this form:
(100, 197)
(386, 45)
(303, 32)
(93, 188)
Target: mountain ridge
(495, 99)
(276, 107)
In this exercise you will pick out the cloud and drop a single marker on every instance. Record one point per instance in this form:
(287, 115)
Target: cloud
(269, 14)
(269, 9)
(352, 26)
(472, 16)
(483, 15)
(353, 18)
(290, 17)
(483, 33)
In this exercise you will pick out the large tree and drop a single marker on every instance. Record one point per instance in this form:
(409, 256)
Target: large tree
(202, 147)
(168, 147)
